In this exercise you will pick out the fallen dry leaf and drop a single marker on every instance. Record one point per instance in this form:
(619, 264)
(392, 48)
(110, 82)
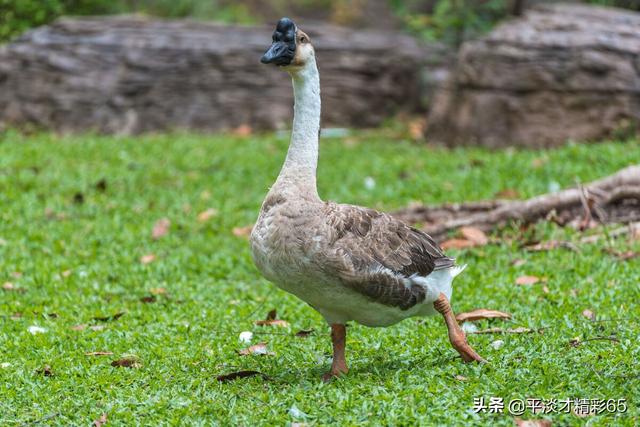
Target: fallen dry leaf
(461, 378)
(416, 128)
(508, 193)
(158, 291)
(259, 349)
(545, 289)
(127, 362)
(115, 316)
(624, 256)
(10, 287)
(518, 330)
(80, 327)
(532, 423)
(161, 228)
(206, 215)
(527, 280)
(240, 374)
(149, 299)
(66, 273)
(273, 322)
(518, 262)
(243, 130)
(97, 327)
(50, 214)
(481, 313)
(147, 259)
(46, 371)
(550, 245)
(589, 314)
(477, 236)
(98, 353)
(457, 244)
(100, 421)
(242, 231)
(303, 333)
(539, 162)
(471, 237)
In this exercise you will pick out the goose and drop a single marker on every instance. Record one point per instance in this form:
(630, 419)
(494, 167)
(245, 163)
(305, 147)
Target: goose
(349, 263)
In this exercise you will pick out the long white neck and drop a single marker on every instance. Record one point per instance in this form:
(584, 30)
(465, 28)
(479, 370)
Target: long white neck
(299, 168)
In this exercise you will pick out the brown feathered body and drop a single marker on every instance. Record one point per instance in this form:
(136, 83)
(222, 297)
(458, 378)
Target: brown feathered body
(349, 262)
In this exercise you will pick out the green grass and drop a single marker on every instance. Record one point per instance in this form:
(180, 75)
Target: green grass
(402, 375)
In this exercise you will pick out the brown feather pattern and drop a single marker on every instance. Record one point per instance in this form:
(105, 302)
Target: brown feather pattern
(376, 253)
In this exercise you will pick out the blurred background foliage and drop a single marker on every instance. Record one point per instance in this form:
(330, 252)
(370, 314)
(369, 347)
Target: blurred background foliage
(450, 21)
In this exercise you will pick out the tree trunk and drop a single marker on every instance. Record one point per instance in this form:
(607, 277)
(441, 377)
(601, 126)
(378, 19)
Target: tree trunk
(615, 198)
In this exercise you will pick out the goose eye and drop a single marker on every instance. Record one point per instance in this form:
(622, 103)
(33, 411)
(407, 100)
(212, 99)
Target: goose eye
(303, 39)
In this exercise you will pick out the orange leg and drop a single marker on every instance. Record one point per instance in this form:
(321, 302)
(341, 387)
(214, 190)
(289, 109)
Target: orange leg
(456, 335)
(339, 365)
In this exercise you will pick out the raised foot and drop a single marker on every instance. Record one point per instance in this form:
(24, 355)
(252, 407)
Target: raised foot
(456, 334)
(467, 353)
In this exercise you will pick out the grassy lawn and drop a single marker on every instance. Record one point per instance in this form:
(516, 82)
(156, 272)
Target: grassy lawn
(76, 216)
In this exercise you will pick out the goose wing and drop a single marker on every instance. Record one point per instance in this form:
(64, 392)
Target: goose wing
(378, 255)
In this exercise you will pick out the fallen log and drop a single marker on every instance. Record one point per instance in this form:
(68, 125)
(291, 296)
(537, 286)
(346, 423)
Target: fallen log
(613, 199)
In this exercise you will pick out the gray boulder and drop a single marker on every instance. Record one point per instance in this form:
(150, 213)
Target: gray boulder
(561, 72)
(130, 75)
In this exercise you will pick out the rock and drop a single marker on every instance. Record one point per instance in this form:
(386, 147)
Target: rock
(561, 72)
(128, 75)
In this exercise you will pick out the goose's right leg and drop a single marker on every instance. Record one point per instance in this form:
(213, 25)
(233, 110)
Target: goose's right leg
(456, 335)
(339, 364)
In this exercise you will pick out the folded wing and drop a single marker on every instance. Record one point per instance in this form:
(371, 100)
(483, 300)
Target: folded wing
(380, 256)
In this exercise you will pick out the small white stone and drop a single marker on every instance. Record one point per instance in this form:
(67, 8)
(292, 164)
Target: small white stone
(245, 337)
(469, 327)
(34, 329)
(497, 344)
(369, 183)
(296, 413)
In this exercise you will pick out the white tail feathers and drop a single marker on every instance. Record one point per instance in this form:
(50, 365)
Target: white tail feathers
(457, 269)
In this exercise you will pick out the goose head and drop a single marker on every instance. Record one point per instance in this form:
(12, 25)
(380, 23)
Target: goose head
(291, 48)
